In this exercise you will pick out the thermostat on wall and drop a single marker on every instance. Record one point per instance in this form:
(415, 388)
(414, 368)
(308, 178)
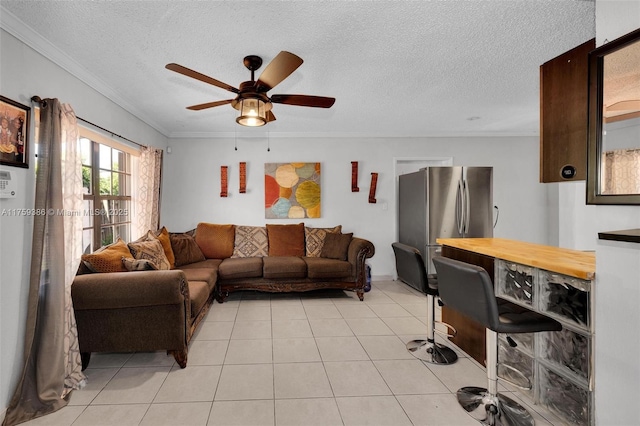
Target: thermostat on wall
(7, 185)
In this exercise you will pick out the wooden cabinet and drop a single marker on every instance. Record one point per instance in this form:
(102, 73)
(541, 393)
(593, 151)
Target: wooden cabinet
(563, 115)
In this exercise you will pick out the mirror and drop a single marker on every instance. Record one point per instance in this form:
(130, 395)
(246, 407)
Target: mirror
(613, 169)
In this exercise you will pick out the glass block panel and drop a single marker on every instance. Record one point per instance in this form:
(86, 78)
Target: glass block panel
(515, 367)
(565, 297)
(524, 341)
(516, 282)
(567, 399)
(568, 350)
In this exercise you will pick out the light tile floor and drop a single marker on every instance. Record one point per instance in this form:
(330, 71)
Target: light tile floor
(321, 358)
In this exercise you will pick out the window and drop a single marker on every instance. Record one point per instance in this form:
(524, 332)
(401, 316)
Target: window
(106, 180)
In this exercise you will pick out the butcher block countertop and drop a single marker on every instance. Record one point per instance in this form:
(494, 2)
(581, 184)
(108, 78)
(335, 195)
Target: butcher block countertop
(575, 263)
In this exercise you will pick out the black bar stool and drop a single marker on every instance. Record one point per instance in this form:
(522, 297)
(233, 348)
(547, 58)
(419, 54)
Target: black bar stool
(468, 289)
(411, 269)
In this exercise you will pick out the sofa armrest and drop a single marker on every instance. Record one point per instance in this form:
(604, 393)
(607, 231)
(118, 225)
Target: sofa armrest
(117, 290)
(359, 250)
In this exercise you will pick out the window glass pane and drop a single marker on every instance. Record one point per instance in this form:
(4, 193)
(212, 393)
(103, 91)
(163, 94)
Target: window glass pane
(106, 235)
(122, 231)
(121, 211)
(87, 241)
(87, 213)
(85, 151)
(86, 179)
(105, 212)
(115, 182)
(105, 182)
(119, 162)
(105, 157)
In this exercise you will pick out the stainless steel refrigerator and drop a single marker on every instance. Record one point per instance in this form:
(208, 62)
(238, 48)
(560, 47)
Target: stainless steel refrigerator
(444, 202)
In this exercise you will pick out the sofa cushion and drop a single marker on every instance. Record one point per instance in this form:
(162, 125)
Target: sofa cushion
(319, 267)
(205, 263)
(215, 241)
(336, 246)
(246, 267)
(314, 239)
(251, 241)
(286, 240)
(138, 264)
(185, 249)
(152, 250)
(198, 293)
(108, 258)
(163, 236)
(207, 275)
(284, 267)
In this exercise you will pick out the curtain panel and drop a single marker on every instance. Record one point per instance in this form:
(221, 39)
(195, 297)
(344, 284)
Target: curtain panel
(52, 366)
(147, 202)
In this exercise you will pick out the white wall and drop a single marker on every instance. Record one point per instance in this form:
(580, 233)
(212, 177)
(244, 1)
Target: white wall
(191, 183)
(23, 74)
(617, 286)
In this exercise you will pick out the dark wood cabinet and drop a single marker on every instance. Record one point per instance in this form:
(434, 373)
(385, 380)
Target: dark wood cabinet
(563, 115)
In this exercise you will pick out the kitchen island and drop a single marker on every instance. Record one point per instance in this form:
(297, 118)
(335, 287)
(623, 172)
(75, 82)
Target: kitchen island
(551, 280)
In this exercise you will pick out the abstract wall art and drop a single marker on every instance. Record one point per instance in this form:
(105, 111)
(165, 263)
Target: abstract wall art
(291, 190)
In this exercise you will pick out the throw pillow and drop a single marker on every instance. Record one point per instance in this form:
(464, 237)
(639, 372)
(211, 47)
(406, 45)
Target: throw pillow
(131, 264)
(251, 241)
(336, 246)
(151, 250)
(185, 249)
(163, 236)
(108, 258)
(314, 239)
(286, 240)
(215, 241)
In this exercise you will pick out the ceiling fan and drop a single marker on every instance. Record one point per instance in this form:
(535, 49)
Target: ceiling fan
(252, 100)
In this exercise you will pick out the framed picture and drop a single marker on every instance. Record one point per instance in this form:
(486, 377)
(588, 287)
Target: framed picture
(14, 137)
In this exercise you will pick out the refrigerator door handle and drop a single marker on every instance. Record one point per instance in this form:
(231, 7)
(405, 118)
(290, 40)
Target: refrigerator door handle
(467, 205)
(460, 208)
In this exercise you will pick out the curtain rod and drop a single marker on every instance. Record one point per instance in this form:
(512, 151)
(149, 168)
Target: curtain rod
(42, 102)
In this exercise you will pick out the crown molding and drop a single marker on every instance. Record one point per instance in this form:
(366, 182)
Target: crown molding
(17, 28)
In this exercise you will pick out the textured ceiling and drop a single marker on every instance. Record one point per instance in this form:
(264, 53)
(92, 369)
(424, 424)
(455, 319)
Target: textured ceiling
(396, 68)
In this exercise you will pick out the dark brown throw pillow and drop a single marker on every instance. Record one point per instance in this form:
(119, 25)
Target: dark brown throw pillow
(286, 240)
(185, 249)
(336, 246)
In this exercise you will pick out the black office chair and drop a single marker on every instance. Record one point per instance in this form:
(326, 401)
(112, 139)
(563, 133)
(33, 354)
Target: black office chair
(468, 289)
(411, 269)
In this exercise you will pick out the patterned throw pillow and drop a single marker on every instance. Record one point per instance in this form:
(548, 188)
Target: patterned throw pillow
(314, 239)
(150, 250)
(108, 258)
(215, 241)
(131, 264)
(251, 241)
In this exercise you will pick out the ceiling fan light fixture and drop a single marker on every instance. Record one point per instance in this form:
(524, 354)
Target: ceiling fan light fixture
(253, 113)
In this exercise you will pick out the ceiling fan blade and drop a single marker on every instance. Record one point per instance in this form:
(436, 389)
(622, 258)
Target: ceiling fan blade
(270, 117)
(304, 100)
(278, 69)
(209, 105)
(195, 74)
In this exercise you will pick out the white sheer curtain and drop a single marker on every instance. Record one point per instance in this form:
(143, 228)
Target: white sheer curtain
(621, 171)
(147, 199)
(52, 366)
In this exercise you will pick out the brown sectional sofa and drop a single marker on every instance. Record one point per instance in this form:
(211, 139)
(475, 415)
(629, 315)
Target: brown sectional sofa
(151, 310)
